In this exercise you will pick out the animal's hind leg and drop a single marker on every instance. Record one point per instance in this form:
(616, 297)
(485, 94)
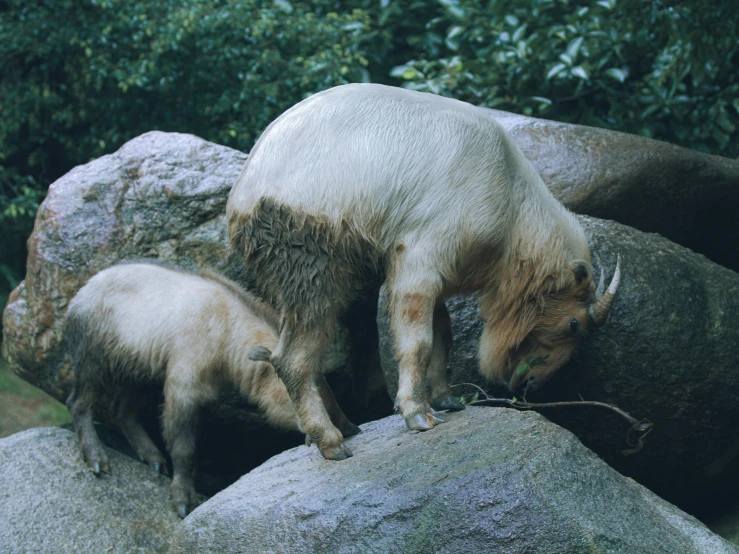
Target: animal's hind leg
(273, 398)
(439, 390)
(298, 361)
(338, 418)
(80, 404)
(127, 418)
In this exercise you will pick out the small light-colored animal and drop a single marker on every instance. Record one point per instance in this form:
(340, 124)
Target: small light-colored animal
(138, 323)
(430, 193)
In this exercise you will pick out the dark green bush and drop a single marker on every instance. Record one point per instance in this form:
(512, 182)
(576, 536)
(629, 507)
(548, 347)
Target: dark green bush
(662, 69)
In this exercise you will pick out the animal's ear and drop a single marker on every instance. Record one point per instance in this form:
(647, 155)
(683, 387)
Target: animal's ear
(583, 271)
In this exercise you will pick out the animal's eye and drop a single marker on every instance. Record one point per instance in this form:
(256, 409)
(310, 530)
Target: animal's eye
(574, 325)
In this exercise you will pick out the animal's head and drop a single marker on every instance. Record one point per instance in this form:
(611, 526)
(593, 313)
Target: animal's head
(527, 339)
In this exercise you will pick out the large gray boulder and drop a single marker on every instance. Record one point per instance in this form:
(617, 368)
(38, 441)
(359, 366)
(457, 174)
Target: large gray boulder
(687, 196)
(51, 502)
(488, 480)
(667, 354)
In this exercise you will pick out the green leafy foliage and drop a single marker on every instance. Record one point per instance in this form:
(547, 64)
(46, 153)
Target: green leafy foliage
(661, 69)
(468, 398)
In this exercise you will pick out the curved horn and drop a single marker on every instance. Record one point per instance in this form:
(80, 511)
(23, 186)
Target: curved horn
(601, 284)
(599, 309)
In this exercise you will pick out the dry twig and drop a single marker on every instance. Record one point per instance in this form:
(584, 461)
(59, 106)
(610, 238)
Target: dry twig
(634, 437)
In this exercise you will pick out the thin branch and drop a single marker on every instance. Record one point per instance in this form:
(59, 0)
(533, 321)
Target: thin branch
(639, 427)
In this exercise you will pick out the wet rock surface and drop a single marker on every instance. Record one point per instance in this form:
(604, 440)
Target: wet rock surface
(51, 502)
(487, 480)
(654, 186)
(667, 354)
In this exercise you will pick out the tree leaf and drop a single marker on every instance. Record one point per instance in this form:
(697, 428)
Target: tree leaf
(511, 19)
(518, 34)
(579, 72)
(619, 74)
(574, 47)
(556, 70)
(566, 59)
(284, 5)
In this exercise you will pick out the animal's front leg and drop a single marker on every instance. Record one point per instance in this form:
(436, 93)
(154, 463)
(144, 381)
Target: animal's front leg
(439, 390)
(180, 422)
(127, 417)
(80, 404)
(414, 291)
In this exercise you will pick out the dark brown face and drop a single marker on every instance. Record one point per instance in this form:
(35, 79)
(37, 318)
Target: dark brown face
(525, 349)
(551, 342)
(527, 338)
(548, 347)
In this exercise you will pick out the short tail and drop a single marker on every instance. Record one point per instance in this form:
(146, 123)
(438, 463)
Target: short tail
(260, 354)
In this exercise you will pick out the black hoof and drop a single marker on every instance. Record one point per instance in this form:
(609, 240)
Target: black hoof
(447, 402)
(422, 422)
(349, 429)
(340, 452)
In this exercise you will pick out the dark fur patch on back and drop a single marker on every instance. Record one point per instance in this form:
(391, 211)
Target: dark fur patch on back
(97, 357)
(302, 264)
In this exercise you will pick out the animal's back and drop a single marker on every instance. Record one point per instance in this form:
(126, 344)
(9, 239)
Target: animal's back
(387, 159)
(153, 313)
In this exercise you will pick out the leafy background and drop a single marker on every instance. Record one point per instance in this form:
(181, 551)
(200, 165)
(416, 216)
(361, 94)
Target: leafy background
(79, 78)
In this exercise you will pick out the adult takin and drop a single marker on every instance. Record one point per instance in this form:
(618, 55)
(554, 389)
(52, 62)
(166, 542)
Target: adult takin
(139, 323)
(365, 181)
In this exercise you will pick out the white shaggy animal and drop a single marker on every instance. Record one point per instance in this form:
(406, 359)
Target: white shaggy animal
(138, 323)
(430, 193)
